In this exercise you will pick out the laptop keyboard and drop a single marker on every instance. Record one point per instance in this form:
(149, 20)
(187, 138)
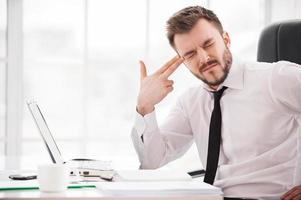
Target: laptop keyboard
(91, 164)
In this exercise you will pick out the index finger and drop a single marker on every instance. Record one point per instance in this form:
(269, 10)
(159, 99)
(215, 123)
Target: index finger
(167, 65)
(172, 68)
(289, 192)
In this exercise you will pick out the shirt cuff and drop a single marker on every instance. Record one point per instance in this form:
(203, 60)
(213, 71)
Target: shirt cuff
(145, 124)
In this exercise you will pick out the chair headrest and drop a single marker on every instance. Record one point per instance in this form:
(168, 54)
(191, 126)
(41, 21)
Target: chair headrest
(280, 41)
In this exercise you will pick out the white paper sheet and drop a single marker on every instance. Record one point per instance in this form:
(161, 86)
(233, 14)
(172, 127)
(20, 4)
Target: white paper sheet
(159, 188)
(153, 175)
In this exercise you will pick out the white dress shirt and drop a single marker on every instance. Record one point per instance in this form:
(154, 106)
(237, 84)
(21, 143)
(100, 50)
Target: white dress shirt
(260, 155)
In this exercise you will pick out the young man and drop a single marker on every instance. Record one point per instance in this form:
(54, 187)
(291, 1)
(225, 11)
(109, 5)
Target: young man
(257, 114)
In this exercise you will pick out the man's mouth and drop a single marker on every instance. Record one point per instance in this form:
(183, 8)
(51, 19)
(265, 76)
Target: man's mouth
(209, 65)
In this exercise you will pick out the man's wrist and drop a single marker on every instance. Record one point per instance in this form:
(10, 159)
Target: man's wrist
(144, 110)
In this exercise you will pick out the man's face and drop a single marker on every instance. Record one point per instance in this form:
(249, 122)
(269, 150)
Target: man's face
(206, 52)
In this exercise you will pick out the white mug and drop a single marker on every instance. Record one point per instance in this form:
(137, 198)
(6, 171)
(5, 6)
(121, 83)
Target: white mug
(53, 177)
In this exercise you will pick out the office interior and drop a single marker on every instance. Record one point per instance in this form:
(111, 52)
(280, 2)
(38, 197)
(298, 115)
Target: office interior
(79, 60)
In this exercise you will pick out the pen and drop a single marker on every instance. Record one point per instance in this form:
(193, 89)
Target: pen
(19, 188)
(81, 186)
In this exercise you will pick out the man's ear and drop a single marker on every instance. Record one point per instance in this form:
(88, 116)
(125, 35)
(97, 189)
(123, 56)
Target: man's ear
(226, 38)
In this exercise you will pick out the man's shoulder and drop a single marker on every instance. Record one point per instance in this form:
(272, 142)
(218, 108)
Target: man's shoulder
(266, 66)
(257, 66)
(275, 72)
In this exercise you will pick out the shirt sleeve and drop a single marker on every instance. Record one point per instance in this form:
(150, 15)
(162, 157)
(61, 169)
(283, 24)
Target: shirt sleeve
(163, 144)
(285, 87)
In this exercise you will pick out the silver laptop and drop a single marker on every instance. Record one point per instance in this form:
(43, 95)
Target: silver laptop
(86, 166)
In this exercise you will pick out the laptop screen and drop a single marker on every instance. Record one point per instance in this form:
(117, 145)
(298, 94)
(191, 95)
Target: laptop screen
(45, 132)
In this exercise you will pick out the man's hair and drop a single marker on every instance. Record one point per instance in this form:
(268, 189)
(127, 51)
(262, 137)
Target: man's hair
(184, 20)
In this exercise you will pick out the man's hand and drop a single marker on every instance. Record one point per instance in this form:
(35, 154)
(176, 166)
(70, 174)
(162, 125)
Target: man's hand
(155, 87)
(294, 193)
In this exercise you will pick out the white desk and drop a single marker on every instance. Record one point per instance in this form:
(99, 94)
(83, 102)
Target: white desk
(89, 193)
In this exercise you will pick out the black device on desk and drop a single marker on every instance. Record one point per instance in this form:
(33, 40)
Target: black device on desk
(197, 173)
(23, 177)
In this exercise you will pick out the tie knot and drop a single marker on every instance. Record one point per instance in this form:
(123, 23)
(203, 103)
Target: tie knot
(218, 94)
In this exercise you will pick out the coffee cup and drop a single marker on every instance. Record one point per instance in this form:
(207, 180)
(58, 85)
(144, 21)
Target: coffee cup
(53, 177)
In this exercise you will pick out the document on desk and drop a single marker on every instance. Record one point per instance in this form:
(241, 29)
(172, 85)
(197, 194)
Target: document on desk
(158, 188)
(153, 175)
(33, 184)
(14, 185)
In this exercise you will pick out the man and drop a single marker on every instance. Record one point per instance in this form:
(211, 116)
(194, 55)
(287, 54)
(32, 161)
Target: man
(259, 104)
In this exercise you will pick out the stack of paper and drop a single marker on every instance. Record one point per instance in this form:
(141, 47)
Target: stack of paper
(158, 188)
(152, 175)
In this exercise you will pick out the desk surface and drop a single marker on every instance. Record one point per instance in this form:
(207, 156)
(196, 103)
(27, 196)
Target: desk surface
(89, 193)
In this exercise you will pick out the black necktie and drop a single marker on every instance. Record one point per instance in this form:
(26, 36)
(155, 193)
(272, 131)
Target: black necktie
(214, 138)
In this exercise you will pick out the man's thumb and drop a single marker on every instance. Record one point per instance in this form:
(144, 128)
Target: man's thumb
(143, 72)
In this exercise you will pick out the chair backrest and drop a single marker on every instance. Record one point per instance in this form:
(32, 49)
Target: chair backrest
(280, 41)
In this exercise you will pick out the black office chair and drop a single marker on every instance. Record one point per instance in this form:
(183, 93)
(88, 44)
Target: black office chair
(280, 41)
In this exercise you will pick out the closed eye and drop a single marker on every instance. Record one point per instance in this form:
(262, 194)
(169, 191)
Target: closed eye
(208, 45)
(189, 55)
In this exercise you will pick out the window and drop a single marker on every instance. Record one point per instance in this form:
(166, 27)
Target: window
(2, 72)
(54, 72)
(81, 65)
(243, 20)
(281, 10)
(83, 70)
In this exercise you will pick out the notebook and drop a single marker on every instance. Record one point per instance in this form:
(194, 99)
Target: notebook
(158, 188)
(86, 167)
(152, 175)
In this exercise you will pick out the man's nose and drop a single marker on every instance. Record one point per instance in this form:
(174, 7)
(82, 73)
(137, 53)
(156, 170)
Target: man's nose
(202, 56)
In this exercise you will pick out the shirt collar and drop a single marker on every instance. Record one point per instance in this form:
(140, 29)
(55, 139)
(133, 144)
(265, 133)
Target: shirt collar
(235, 77)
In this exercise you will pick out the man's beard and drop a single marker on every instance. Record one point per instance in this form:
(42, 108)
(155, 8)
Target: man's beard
(227, 58)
